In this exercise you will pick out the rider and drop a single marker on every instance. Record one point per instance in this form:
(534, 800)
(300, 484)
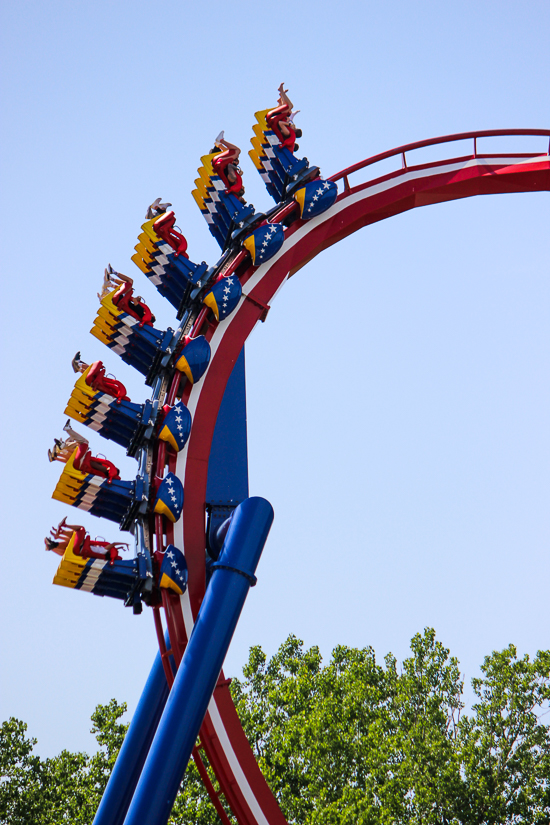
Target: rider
(62, 450)
(164, 228)
(226, 165)
(155, 209)
(84, 461)
(97, 380)
(62, 534)
(123, 297)
(281, 121)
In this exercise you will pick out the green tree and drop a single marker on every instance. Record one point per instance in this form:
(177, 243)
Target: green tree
(63, 789)
(20, 774)
(352, 742)
(356, 742)
(504, 746)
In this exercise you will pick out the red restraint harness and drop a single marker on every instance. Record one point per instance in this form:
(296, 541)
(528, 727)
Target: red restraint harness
(220, 163)
(273, 119)
(83, 547)
(121, 299)
(164, 228)
(97, 380)
(83, 463)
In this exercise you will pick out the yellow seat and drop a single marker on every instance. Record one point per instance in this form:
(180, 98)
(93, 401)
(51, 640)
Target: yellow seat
(202, 187)
(70, 560)
(148, 228)
(71, 566)
(81, 384)
(140, 263)
(105, 324)
(70, 571)
(144, 252)
(100, 335)
(64, 582)
(148, 243)
(107, 315)
(66, 492)
(199, 199)
(259, 133)
(70, 470)
(261, 118)
(206, 161)
(76, 413)
(83, 401)
(107, 303)
(60, 496)
(257, 154)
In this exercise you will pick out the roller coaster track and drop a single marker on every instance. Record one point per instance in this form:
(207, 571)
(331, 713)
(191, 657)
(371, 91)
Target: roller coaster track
(221, 737)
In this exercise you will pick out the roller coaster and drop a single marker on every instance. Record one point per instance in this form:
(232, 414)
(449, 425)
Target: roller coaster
(198, 535)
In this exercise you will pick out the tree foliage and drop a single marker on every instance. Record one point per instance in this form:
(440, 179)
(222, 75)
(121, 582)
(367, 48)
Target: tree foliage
(356, 742)
(505, 749)
(64, 789)
(352, 742)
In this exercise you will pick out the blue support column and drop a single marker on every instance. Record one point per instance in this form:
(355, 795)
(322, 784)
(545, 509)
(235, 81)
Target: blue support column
(227, 483)
(200, 667)
(228, 465)
(129, 764)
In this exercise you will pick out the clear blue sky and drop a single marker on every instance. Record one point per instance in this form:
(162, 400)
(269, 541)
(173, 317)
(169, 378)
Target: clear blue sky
(398, 393)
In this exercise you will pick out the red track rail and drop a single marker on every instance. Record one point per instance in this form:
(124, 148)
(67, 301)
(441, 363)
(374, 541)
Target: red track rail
(421, 144)
(222, 737)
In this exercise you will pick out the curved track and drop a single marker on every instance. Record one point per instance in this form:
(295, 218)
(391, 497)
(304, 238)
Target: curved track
(222, 738)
